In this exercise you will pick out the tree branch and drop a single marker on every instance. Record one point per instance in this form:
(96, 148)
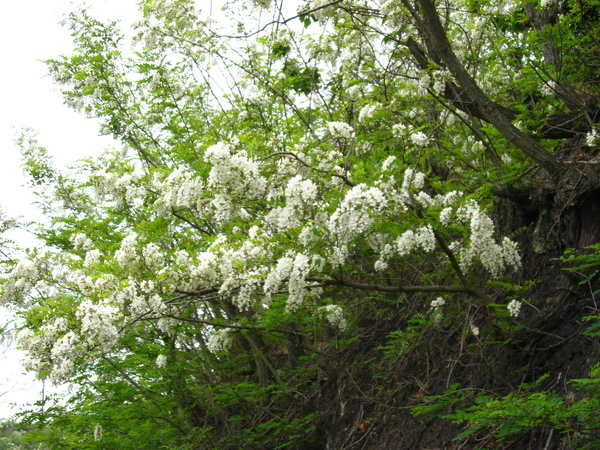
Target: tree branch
(438, 44)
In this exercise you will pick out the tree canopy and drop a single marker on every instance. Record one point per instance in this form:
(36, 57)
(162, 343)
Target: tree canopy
(320, 214)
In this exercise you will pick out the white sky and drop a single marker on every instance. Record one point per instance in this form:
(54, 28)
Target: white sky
(30, 33)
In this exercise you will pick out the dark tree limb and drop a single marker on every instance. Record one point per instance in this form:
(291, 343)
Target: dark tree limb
(435, 35)
(557, 126)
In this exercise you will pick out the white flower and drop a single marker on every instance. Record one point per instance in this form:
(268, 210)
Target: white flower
(98, 432)
(152, 255)
(297, 281)
(335, 316)
(340, 130)
(424, 82)
(147, 286)
(81, 242)
(548, 88)
(398, 130)
(99, 324)
(406, 243)
(438, 302)
(591, 138)
(220, 340)
(367, 111)
(380, 265)
(419, 138)
(354, 91)
(234, 177)
(92, 257)
(494, 257)
(126, 256)
(387, 163)
(446, 216)
(514, 307)
(388, 7)
(86, 284)
(161, 361)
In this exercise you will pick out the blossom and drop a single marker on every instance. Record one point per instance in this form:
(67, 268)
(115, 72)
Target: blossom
(398, 130)
(419, 138)
(409, 240)
(98, 432)
(493, 256)
(161, 361)
(99, 323)
(220, 340)
(234, 177)
(81, 242)
(438, 302)
(514, 308)
(591, 138)
(387, 164)
(367, 111)
(335, 316)
(340, 130)
(297, 281)
(153, 256)
(126, 256)
(92, 257)
(355, 213)
(320, 9)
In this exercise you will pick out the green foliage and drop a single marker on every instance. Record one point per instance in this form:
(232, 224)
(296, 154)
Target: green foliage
(507, 417)
(531, 407)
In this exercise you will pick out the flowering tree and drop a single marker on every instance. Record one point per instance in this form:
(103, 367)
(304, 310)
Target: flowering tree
(299, 199)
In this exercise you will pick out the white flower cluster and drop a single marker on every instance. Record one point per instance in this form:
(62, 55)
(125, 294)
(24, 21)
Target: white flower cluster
(179, 189)
(20, 281)
(368, 111)
(124, 187)
(63, 355)
(322, 10)
(297, 281)
(388, 6)
(335, 316)
(591, 139)
(161, 361)
(355, 213)
(419, 138)
(409, 241)
(220, 340)
(98, 432)
(262, 3)
(341, 130)
(92, 257)
(294, 270)
(514, 308)
(482, 244)
(99, 324)
(300, 195)
(127, 256)
(438, 302)
(153, 256)
(81, 242)
(233, 178)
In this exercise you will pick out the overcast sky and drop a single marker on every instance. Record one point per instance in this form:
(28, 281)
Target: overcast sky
(30, 33)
